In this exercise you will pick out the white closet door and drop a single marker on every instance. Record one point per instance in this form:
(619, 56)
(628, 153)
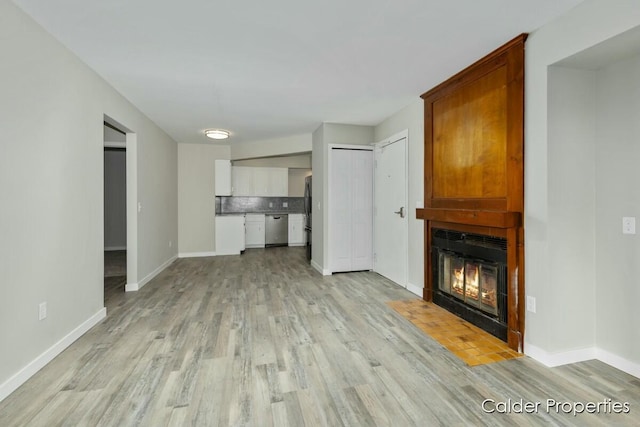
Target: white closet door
(351, 210)
(361, 210)
(340, 206)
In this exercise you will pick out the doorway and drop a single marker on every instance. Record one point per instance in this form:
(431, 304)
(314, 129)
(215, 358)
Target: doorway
(391, 250)
(115, 210)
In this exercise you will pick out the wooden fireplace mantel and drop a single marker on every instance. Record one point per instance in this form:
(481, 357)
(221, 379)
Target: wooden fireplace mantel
(474, 163)
(498, 219)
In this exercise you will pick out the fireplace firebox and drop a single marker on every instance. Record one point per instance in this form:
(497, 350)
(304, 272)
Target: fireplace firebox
(470, 278)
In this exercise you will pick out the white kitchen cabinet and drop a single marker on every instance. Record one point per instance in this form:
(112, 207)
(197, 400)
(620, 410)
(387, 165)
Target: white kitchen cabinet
(260, 181)
(242, 181)
(223, 177)
(278, 184)
(296, 230)
(254, 231)
(230, 234)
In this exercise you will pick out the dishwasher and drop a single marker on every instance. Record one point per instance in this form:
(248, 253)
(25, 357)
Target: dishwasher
(276, 230)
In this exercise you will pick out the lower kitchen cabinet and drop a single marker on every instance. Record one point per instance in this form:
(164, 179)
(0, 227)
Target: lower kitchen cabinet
(254, 231)
(230, 234)
(296, 230)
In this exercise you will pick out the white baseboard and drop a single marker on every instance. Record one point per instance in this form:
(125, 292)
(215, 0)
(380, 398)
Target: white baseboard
(580, 355)
(319, 269)
(618, 362)
(415, 289)
(562, 358)
(297, 244)
(115, 248)
(39, 362)
(195, 254)
(132, 287)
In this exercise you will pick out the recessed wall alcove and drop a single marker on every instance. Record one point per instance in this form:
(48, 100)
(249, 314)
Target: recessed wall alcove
(593, 161)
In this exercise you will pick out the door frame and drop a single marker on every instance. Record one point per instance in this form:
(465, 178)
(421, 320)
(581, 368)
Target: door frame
(131, 148)
(404, 134)
(327, 231)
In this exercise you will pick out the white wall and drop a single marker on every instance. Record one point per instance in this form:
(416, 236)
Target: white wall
(412, 118)
(571, 173)
(196, 197)
(115, 199)
(318, 185)
(547, 335)
(272, 147)
(617, 194)
(328, 133)
(51, 221)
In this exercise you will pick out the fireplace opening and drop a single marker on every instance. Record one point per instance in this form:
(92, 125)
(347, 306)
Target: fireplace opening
(470, 278)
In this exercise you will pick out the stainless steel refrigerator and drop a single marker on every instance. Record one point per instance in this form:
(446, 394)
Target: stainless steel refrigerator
(308, 208)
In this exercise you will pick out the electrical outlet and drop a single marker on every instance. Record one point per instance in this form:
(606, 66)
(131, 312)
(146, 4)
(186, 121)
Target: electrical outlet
(270, 204)
(285, 204)
(628, 225)
(170, 243)
(531, 304)
(42, 310)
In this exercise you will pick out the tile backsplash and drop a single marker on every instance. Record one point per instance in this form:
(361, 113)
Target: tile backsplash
(228, 205)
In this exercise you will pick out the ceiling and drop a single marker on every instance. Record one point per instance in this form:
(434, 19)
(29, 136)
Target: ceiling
(270, 69)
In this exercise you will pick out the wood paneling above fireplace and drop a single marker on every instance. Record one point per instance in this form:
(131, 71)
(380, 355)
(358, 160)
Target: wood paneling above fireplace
(474, 166)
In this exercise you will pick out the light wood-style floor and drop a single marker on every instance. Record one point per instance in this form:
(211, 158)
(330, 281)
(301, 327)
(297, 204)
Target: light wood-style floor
(262, 339)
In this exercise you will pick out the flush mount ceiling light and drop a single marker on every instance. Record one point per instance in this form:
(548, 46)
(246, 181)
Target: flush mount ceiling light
(217, 133)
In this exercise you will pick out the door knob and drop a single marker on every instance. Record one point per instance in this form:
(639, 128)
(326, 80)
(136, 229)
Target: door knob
(400, 212)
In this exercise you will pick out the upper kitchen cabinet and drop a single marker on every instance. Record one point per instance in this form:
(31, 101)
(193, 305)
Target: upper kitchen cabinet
(278, 185)
(223, 177)
(260, 181)
(243, 181)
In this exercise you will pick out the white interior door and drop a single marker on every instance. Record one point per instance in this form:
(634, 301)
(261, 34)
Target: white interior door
(361, 210)
(390, 212)
(340, 206)
(350, 210)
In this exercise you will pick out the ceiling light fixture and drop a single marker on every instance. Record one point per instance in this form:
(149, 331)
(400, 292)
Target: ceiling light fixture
(217, 133)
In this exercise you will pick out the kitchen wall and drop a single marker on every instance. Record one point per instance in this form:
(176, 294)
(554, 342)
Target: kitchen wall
(568, 326)
(272, 147)
(296, 181)
(51, 221)
(302, 161)
(196, 197)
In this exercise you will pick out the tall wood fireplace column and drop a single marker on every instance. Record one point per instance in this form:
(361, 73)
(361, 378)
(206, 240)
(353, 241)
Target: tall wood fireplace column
(474, 164)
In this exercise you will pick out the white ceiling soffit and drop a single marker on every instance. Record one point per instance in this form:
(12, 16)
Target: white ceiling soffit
(269, 69)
